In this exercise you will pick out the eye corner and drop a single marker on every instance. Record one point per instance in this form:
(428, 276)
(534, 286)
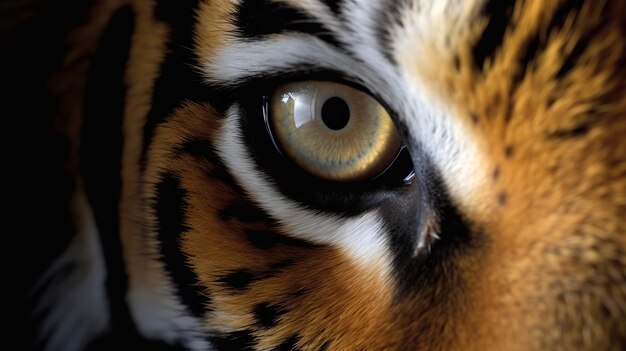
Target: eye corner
(401, 171)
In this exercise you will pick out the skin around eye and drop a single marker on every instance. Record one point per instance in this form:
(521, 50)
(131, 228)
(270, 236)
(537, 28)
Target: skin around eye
(333, 131)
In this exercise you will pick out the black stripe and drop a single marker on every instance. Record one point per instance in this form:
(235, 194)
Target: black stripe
(101, 151)
(204, 149)
(499, 14)
(258, 18)
(177, 80)
(199, 148)
(170, 208)
(572, 57)
(289, 344)
(537, 43)
(238, 280)
(298, 291)
(242, 340)
(239, 210)
(325, 346)
(574, 132)
(390, 16)
(267, 314)
(530, 51)
(567, 8)
(334, 5)
(581, 46)
(267, 239)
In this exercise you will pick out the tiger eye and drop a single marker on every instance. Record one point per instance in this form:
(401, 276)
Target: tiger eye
(333, 131)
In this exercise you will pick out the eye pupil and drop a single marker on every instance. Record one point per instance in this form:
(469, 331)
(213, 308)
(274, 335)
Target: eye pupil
(335, 113)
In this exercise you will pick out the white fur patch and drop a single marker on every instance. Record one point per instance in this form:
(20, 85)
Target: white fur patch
(361, 237)
(160, 316)
(427, 27)
(74, 308)
(243, 59)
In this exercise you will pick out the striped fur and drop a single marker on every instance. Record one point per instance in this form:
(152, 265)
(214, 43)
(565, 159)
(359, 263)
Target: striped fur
(192, 232)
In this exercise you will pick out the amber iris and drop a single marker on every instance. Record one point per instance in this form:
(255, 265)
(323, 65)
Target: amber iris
(333, 131)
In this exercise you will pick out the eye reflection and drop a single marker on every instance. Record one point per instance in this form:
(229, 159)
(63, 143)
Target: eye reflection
(333, 131)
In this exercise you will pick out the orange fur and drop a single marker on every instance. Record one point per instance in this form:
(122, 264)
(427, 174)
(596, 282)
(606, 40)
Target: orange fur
(550, 272)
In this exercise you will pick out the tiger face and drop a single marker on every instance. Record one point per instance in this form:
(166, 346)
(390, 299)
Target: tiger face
(357, 175)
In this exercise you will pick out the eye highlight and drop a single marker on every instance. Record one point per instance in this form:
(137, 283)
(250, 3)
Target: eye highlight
(333, 131)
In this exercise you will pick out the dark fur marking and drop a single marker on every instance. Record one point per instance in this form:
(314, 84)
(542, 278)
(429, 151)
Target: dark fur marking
(269, 239)
(530, 51)
(499, 13)
(276, 268)
(554, 168)
(496, 173)
(203, 149)
(267, 315)
(170, 209)
(474, 118)
(334, 5)
(536, 44)
(242, 212)
(563, 11)
(325, 346)
(390, 16)
(252, 21)
(221, 175)
(502, 198)
(280, 265)
(457, 63)
(238, 280)
(298, 291)
(570, 60)
(240, 340)
(508, 151)
(177, 81)
(289, 344)
(101, 151)
(575, 132)
(509, 110)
